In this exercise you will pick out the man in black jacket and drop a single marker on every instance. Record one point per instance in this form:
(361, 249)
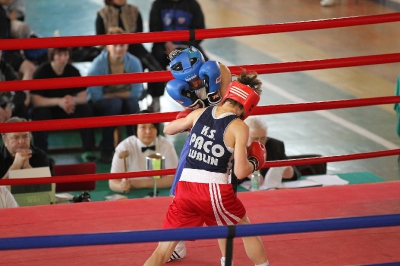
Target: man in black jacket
(18, 153)
(170, 15)
(275, 148)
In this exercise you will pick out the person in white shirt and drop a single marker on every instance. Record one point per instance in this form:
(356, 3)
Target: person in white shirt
(6, 198)
(130, 156)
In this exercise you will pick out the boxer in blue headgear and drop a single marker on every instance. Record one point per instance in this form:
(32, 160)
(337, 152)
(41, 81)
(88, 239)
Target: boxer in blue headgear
(185, 64)
(197, 83)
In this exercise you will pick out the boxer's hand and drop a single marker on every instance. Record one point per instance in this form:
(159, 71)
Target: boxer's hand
(256, 154)
(210, 72)
(180, 91)
(21, 159)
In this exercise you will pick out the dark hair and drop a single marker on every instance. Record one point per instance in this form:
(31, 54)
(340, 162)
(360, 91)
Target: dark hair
(108, 2)
(157, 126)
(251, 80)
(174, 53)
(52, 51)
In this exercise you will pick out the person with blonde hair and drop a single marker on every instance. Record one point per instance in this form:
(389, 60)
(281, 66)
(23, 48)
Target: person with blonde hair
(115, 99)
(119, 13)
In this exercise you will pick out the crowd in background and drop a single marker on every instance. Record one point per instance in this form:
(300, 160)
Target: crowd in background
(115, 17)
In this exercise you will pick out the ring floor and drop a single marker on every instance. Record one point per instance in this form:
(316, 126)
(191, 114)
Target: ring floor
(368, 246)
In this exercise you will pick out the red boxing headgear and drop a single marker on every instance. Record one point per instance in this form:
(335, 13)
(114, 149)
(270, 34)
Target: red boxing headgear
(244, 95)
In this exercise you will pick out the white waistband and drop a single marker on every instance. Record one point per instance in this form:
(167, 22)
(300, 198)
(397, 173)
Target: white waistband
(203, 176)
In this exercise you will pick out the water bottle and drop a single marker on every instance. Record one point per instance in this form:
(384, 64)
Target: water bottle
(255, 181)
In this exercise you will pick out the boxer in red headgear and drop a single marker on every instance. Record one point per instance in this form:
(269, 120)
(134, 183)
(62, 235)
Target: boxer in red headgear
(204, 193)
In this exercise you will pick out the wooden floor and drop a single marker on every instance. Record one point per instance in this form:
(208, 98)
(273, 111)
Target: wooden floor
(318, 44)
(342, 131)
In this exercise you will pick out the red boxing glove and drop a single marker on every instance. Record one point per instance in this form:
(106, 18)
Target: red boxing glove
(256, 154)
(183, 114)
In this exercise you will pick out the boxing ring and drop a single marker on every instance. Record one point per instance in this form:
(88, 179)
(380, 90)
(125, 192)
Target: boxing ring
(352, 225)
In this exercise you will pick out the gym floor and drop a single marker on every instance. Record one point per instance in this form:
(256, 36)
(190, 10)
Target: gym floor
(342, 131)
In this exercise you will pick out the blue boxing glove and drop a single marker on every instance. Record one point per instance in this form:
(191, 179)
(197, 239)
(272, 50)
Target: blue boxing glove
(180, 91)
(211, 74)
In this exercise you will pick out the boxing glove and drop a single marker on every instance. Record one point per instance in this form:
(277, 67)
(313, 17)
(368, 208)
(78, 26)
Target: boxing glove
(211, 74)
(180, 91)
(256, 154)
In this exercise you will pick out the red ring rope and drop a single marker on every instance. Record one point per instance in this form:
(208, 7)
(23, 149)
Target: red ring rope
(158, 76)
(121, 120)
(184, 35)
(94, 177)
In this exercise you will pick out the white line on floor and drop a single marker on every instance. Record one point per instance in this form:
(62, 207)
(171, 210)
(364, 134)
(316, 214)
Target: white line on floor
(334, 118)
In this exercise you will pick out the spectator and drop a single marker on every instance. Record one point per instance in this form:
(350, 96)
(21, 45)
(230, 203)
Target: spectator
(15, 10)
(168, 15)
(275, 148)
(117, 13)
(19, 29)
(15, 29)
(61, 103)
(11, 103)
(5, 107)
(7, 199)
(145, 141)
(115, 99)
(18, 153)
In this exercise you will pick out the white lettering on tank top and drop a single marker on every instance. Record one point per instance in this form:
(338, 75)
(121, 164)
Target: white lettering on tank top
(204, 148)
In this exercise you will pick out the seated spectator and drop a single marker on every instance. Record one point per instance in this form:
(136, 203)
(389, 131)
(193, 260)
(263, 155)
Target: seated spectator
(7, 199)
(275, 148)
(168, 15)
(117, 13)
(15, 29)
(5, 108)
(18, 153)
(15, 10)
(130, 156)
(11, 103)
(61, 103)
(114, 99)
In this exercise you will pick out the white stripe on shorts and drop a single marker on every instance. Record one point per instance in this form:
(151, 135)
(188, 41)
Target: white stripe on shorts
(218, 206)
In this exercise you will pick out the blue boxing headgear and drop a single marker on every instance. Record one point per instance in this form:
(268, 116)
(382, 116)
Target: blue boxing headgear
(185, 64)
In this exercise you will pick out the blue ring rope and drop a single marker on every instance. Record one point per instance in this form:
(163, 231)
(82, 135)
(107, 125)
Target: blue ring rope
(126, 237)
